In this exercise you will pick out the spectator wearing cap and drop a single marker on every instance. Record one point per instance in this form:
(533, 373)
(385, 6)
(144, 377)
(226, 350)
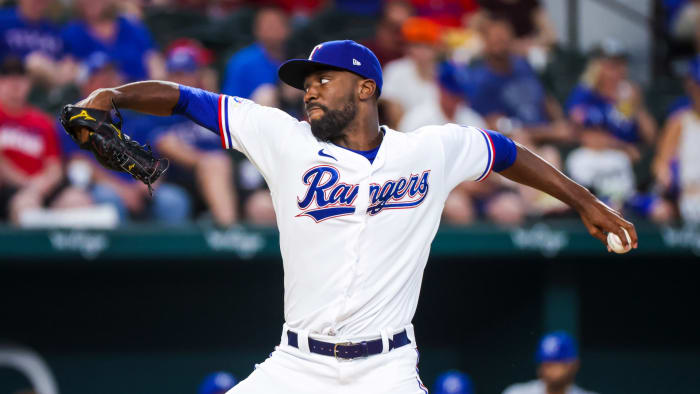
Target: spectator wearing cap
(614, 127)
(25, 32)
(31, 176)
(449, 108)
(411, 81)
(217, 383)
(453, 382)
(256, 65)
(169, 205)
(676, 163)
(505, 90)
(558, 363)
(125, 40)
(197, 162)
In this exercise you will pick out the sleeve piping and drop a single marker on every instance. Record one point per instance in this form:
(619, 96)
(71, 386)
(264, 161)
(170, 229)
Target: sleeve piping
(222, 133)
(490, 158)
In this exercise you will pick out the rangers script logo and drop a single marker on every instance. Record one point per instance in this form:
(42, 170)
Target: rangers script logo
(328, 198)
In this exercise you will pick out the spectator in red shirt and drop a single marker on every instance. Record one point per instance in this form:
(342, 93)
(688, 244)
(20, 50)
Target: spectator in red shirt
(30, 168)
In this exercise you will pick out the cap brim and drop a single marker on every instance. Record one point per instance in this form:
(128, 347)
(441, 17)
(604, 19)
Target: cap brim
(294, 72)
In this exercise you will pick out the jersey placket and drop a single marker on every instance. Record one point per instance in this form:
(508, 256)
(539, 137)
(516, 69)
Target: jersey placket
(362, 203)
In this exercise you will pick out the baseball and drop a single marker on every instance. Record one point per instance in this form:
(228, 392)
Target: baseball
(615, 244)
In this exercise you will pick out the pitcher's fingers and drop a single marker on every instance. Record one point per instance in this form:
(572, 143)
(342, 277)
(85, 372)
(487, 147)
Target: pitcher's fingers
(623, 238)
(633, 233)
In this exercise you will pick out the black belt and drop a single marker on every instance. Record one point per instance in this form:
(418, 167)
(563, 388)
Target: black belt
(349, 350)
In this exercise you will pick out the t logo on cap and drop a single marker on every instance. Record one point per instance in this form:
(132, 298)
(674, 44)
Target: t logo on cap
(317, 47)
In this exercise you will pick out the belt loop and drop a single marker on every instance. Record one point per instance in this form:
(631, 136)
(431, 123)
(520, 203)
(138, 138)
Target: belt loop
(304, 341)
(411, 334)
(385, 340)
(284, 340)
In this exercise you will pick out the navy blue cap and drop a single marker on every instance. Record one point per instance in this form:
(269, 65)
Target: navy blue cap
(181, 59)
(556, 347)
(217, 382)
(454, 382)
(341, 55)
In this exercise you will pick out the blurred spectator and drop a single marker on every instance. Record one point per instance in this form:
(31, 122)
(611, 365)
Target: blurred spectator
(208, 77)
(169, 204)
(125, 40)
(411, 81)
(684, 19)
(217, 383)
(506, 91)
(198, 163)
(533, 29)
(558, 364)
(451, 106)
(676, 162)
(25, 32)
(256, 65)
(453, 13)
(30, 169)
(453, 382)
(300, 11)
(388, 43)
(609, 111)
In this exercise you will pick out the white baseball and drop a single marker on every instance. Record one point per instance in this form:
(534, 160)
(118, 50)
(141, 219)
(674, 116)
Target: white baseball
(615, 243)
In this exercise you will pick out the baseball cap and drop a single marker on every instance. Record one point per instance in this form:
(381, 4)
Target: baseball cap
(454, 382)
(610, 48)
(344, 55)
(186, 54)
(452, 78)
(181, 60)
(217, 382)
(421, 30)
(556, 346)
(97, 61)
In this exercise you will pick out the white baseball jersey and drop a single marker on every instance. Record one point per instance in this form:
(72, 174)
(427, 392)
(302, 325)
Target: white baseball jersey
(354, 235)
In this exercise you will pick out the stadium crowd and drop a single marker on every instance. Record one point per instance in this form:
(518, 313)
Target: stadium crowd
(486, 63)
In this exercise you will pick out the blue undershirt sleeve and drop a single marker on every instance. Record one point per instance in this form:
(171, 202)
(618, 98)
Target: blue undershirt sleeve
(504, 149)
(200, 106)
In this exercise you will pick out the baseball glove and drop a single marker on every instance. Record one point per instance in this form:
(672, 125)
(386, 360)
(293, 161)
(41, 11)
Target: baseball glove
(110, 146)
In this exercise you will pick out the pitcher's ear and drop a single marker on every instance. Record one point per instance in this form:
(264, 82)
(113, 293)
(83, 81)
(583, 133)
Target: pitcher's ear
(368, 89)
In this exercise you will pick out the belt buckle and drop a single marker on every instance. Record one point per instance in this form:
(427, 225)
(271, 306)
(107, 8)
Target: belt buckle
(335, 350)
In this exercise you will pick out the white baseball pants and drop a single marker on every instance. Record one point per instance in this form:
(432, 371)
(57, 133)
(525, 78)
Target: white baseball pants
(297, 371)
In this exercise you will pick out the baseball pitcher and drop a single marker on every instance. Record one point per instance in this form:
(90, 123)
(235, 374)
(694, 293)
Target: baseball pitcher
(357, 206)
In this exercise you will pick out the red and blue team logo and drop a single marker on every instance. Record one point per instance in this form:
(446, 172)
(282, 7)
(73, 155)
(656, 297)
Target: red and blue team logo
(327, 197)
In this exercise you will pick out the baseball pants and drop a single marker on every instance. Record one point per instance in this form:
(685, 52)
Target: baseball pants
(295, 371)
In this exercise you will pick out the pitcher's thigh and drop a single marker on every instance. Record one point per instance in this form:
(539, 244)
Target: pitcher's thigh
(282, 372)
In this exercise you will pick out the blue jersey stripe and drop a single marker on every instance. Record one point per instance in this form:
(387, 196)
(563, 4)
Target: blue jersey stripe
(226, 124)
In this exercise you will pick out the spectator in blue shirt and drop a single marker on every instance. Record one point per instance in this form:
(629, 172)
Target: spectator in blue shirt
(200, 165)
(608, 103)
(125, 40)
(613, 124)
(26, 33)
(169, 204)
(256, 65)
(505, 90)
